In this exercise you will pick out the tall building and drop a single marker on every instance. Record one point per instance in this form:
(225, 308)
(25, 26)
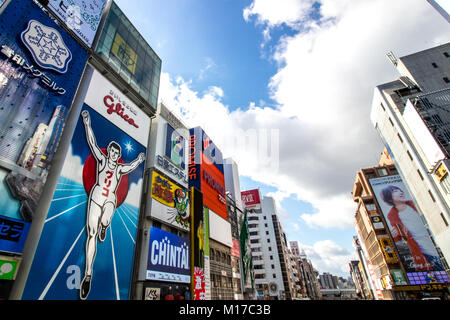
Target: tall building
(269, 248)
(402, 259)
(166, 208)
(307, 285)
(412, 117)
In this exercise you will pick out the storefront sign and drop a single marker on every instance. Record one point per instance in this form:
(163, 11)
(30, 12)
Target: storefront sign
(168, 258)
(152, 293)
(398, 277)
(8, 267)
(441, 172)
(13, 234)
(167, 167)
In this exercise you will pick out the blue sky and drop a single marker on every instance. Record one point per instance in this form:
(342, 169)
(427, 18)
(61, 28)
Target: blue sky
(295, 78)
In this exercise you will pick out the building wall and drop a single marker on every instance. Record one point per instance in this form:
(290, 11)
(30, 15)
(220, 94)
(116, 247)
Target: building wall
(412, 162)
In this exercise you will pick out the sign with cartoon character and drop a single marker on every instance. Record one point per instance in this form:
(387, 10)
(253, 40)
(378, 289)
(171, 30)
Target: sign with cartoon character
(170, 203)
(87, 245)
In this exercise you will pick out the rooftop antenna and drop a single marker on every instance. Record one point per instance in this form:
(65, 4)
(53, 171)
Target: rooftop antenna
(392, 57)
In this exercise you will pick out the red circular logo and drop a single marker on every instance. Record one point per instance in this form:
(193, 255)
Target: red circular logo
(90, 176)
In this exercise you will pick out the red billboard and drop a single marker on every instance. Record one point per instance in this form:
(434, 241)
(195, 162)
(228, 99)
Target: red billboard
(251, 199)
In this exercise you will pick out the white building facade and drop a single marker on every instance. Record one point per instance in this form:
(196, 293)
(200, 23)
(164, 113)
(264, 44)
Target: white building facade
(412, 117)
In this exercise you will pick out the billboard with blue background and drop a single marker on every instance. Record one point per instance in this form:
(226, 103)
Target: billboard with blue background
(169, 257)
(40, 68)
(87, 245)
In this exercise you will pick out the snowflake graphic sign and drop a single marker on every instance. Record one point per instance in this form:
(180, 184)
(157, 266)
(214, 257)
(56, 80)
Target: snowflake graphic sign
(46, 46)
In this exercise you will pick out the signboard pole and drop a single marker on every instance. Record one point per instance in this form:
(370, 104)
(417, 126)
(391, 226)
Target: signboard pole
(49, 187)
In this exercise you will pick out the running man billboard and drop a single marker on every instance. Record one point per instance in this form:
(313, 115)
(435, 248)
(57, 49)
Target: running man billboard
(412, 240)
(40, 68)
(87, 245)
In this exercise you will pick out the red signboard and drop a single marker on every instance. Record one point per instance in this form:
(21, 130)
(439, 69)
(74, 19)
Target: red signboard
(251, 199)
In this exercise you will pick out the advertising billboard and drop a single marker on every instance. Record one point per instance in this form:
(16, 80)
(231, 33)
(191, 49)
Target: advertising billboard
(169, 257)
(175, 146)
(412, 240)
(422, 134)
(169, 146)
(40, 68)
(198, 246)
(87, 244)
(170, 202)
(81, 16)
(205, 171)
(251, 199)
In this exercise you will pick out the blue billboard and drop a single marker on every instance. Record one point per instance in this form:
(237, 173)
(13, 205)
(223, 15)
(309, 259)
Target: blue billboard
(40, 69)
(87, 245)
(13, 234)
(168, 257)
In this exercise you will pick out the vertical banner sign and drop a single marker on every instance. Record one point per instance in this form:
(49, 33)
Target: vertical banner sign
(81, 16)
(40, 68)
(411, 238)
(246, 254)
(207, 264)
(198, 248)
(87, 245)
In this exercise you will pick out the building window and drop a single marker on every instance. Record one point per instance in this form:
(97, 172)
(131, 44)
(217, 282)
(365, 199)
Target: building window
(445, 183)
(445, 220)
(390, 120)
(431, 195)
(420, 175)
(409, 155)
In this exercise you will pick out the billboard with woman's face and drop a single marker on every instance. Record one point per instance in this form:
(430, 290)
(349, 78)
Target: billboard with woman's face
(412, 240)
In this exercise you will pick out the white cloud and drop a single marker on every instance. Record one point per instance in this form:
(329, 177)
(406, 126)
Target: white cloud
(327, 256)
(73, 167)
(275, 13)
(323, 90)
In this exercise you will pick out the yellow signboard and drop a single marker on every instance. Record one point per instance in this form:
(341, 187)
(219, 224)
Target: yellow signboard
(163, 189)
(388, 250)
(441, 172)
(124, 52)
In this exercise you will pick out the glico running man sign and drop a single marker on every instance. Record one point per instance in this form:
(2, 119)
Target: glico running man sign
(87, 244)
